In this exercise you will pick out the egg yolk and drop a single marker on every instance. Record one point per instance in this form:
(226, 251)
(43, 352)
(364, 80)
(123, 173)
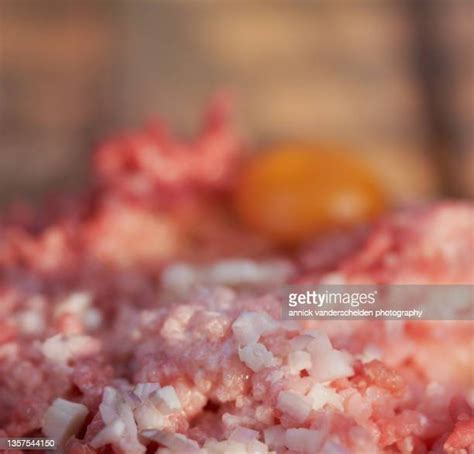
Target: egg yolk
(292, 193)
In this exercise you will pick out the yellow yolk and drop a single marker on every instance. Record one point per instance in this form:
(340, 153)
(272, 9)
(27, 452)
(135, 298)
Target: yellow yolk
(292, 193)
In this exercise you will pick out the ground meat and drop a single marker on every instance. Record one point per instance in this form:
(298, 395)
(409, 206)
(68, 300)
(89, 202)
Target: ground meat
(127, 326)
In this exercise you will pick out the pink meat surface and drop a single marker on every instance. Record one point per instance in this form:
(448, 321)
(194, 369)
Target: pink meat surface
(138, 318)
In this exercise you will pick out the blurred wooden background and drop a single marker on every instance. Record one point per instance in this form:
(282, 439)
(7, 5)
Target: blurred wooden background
(384, 78)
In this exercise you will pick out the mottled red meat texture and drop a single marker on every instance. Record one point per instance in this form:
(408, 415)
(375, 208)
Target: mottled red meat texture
(47, 251)
(424, 245)
(418, 246)
(151, 160)
(90, 376)
(461, 438)
(393, 430)
(193, 344)
(377, 373)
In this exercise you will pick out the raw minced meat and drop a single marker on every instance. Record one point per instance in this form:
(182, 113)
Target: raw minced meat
(141, 318)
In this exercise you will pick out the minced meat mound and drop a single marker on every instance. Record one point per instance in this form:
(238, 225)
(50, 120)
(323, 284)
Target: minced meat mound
(140, 317)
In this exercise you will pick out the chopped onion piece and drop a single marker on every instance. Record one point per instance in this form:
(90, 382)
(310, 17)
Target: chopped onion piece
(256, 357)
(179, 277)
(294, 405)
(320, 340)
(131, 399)
(166, 399)
(330, 365)
(174, 441)
(63, 419)
(143, 390)
(304, 440)
(109, 407)
(321, 395)
(120, 425)
(299, 360)
(109, 434)
(148, 416)
(61, 348)
(249, 326)
(331, 447)
(275, 376)
(243, 435)
(327, 363)
(257, 447)
(301, 342)
(225, 447)
(274, 437)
